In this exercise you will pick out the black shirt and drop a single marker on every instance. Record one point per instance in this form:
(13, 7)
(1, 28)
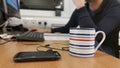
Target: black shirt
(106, 18)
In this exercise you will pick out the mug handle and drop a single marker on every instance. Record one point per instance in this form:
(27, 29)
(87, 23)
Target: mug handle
(104, 36)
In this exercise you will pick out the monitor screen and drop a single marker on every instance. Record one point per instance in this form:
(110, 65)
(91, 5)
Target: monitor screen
(13, 8)
(13, 3)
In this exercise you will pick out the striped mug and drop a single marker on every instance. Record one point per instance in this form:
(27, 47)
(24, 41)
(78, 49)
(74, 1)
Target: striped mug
(82, 41)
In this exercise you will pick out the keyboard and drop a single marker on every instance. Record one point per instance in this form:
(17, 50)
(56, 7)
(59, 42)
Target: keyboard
(30, 36)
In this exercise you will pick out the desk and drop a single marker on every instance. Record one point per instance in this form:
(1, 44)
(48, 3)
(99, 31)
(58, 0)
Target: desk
(100, 60)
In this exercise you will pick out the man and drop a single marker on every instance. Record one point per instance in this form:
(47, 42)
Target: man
(103, 15)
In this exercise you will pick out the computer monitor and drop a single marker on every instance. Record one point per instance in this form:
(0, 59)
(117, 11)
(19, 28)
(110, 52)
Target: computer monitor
(13, 8)
(8, 8)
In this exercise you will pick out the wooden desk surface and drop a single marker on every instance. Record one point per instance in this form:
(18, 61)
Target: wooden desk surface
(100, 60)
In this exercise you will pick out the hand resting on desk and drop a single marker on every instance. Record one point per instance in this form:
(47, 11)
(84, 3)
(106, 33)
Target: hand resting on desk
(41, 30)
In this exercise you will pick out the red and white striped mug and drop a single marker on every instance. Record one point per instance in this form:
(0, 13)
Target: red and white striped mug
(82, 41)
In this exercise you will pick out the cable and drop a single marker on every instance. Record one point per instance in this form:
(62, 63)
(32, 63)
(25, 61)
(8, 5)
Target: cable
(47, 46)
(6, 41)
(50, 48)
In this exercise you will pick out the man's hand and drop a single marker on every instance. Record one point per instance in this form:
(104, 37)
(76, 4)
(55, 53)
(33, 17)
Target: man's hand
(79, 3)
(41, 30)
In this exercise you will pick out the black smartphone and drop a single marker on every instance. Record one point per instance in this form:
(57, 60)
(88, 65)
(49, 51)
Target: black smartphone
(37, 56)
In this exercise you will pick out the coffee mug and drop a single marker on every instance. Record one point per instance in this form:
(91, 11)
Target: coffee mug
(82, 41)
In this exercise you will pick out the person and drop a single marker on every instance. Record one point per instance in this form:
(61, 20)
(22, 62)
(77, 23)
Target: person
(102, 15)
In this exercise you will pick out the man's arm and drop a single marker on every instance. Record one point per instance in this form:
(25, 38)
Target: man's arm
(72, 23)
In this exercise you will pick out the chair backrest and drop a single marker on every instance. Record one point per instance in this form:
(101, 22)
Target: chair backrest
(119, 47)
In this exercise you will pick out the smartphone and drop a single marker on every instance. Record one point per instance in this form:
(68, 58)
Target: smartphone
(36, 56)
